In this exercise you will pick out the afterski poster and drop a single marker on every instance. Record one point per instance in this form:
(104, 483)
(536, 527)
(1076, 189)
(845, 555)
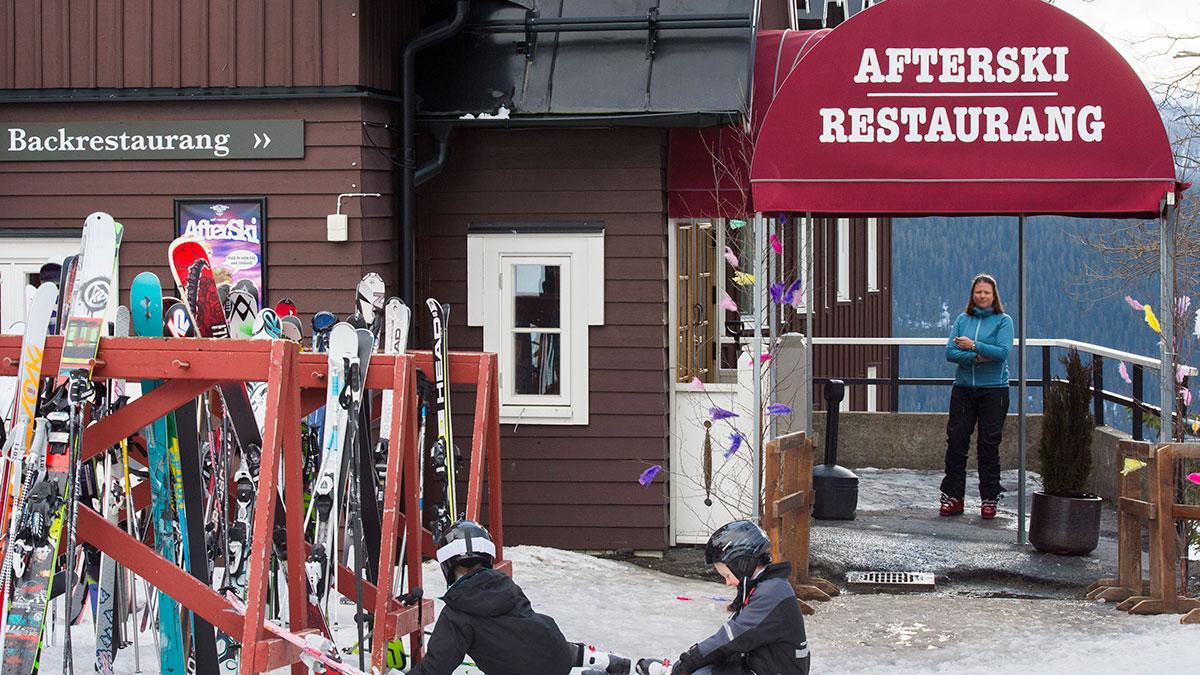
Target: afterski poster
(234, 232)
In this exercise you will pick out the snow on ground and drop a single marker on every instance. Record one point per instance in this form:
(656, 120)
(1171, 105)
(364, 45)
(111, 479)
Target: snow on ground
(638, 612)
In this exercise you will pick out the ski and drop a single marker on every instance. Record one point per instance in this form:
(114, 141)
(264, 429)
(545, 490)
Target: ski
(20, 464)
(85, 324)
(351, 399)
(145, 297)
(443, 453)
(397, 318)
(343, 345)
(241, 307)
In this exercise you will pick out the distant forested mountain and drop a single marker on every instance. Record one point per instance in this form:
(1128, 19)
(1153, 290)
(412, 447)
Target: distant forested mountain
(934, 259)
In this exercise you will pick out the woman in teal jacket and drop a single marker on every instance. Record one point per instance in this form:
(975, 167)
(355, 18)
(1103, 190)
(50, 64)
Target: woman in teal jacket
(979, 343)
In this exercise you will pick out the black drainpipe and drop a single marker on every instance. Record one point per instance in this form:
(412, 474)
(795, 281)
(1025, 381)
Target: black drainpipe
(408, 189)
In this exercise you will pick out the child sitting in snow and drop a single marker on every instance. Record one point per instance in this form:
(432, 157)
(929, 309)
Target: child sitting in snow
(488, 616)
(766, 632)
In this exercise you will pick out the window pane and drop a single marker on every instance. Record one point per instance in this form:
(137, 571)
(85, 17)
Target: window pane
(537, 359)
(537, 296)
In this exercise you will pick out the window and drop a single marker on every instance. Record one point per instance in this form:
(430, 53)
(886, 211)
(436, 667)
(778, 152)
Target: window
(535, 292)
(872, 255)
(872, 390)
(802, 262)
(843, 259)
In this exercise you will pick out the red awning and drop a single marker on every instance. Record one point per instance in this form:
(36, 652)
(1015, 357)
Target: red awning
(944, 106)
(708, 170)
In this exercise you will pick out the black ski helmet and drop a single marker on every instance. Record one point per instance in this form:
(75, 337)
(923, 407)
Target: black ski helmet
(464, 544)
(741, 545)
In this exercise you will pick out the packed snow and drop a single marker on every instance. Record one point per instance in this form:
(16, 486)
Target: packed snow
(637, 612)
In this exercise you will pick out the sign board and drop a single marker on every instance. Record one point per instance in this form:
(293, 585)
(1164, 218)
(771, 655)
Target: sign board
(234, 232)
(174, 139)
(941, 106)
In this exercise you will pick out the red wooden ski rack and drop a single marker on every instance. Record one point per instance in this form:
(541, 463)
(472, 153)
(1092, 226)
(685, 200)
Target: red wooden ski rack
(295, 385)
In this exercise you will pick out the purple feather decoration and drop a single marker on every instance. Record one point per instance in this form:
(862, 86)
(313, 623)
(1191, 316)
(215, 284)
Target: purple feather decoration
(778, 409)
(783, 219)
(735, 442)
(790, 293)
(649, 474)
(777, 293)
(718, 413)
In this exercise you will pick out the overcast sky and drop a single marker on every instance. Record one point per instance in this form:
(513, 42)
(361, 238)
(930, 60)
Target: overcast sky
(1135, 28)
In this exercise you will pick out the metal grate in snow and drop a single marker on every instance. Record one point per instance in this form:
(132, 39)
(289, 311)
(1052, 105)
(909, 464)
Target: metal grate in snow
(894, 580)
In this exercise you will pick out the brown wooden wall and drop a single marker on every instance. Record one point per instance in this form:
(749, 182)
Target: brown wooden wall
(773, 14)
(46, 44)
(867, 315)
(571, 486)
(300, 192)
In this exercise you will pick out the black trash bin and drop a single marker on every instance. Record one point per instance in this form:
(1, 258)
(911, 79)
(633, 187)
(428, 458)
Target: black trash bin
(835, 488)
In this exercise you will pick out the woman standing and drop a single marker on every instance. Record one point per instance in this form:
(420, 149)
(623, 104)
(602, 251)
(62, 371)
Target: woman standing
(979, 343)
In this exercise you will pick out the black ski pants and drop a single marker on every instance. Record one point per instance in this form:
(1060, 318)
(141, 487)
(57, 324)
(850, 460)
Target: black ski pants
(971, 407)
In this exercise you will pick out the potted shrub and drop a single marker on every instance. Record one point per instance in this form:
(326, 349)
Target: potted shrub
(1065, 519)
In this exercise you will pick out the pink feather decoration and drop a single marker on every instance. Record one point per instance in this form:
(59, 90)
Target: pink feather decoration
(1194, 477)
(776, 244)
(697, 385)
(1137, 306)
(1187, 395)
(1124, 372)
(731, 258)
(764, 358)
(727, 303)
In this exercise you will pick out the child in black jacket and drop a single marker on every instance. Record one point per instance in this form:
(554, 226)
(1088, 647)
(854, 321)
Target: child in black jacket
(488, 616)
(765, 635)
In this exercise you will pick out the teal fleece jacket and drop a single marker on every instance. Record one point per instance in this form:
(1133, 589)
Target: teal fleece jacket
(993, 336)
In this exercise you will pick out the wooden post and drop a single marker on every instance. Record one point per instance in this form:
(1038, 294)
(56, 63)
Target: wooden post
(788, 511)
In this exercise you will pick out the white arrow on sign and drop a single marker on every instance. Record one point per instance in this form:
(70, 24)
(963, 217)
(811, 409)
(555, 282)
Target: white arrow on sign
(261, 141)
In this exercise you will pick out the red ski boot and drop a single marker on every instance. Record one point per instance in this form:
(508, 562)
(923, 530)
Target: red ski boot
(951, 506)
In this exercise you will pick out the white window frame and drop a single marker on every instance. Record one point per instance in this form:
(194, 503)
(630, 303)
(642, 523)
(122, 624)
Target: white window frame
(872, 255)
(843, 260)
(490, 261)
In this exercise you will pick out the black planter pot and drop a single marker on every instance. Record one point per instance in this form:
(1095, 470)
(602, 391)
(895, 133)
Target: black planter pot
(1064, 525)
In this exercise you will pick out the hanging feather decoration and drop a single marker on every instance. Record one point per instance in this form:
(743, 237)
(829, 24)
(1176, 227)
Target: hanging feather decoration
(789, 296)
(1186, 394)
(727, 303)
(649, 474)
(1182, 304)
(1194, 477)
(778, 409)
(776, 245)
(1137, 306)
(735, 442)
(736, 224)
(1151, 320)
(763, 358)
(731, 258)
(776, 293)
(1132, 465)
(1124, 372)
(718, 413)
(743, 279)
(697, 385)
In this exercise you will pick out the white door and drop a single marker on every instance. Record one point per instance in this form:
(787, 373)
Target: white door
(21, 258)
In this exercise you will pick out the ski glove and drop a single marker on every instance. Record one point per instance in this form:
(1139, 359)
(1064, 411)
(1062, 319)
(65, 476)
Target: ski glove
(689, 661)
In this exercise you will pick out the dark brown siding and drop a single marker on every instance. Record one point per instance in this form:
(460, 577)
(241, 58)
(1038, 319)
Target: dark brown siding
(572, 486)
(300, 192)
(201, 43)
(868, 314)
(773, 14)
